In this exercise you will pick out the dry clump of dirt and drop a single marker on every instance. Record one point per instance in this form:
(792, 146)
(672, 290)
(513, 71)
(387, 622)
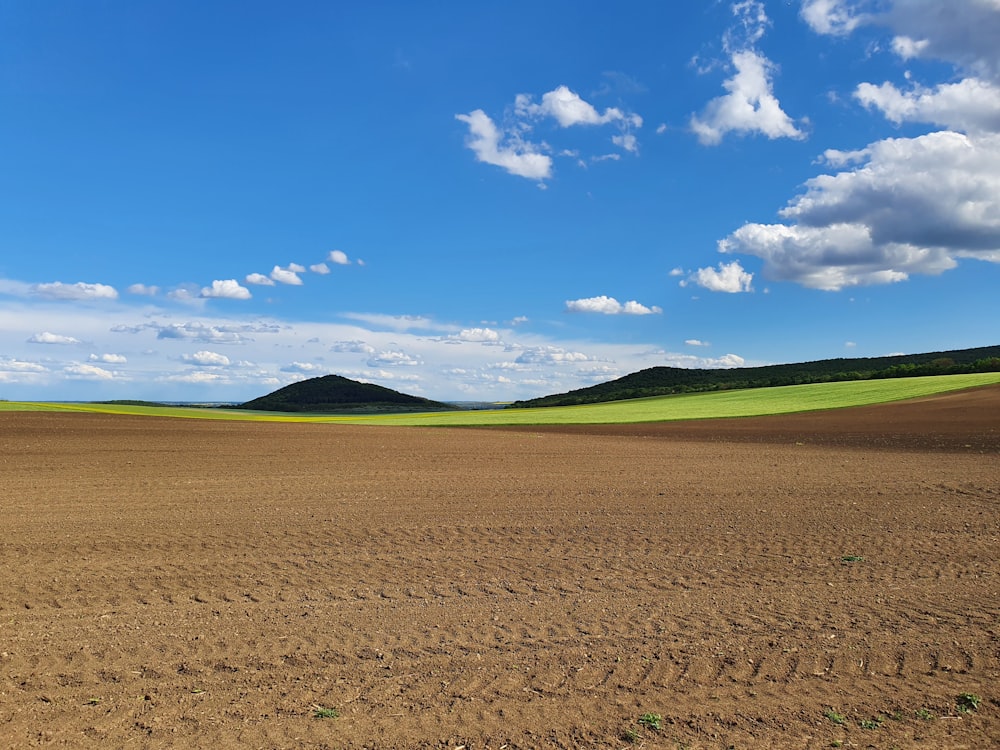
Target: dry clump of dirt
(816, 580)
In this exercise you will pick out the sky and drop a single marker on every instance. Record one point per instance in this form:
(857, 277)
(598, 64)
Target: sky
(204, 202)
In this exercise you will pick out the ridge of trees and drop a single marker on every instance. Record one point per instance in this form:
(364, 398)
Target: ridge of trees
(335, 393)
(663, 381)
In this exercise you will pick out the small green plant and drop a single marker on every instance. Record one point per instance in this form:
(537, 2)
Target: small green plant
(837, 743)
(923, 713)
(833, 716)
(93, 701)
(968, 703)
(851, 558)
(631, 734)
(651, 721)
(871, 723)
(325, 713)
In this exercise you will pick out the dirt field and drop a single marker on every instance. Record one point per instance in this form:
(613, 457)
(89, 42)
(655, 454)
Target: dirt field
(194, 584)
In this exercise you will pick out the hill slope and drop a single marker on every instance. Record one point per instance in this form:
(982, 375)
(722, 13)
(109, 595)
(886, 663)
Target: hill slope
(661, 381)
(333, 393)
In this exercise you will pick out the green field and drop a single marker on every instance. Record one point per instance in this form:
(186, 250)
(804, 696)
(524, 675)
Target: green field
(740, 403)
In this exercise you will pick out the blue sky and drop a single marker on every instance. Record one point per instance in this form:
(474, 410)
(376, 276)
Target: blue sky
(207, 201)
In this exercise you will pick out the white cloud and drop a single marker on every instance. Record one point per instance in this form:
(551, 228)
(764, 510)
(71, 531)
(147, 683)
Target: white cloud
(15, 288)
(77, 291)
(962, 32)
(201, 332)
(206, 359)
(394, 322)
(52, 338)
(185, 293)
(972, 105)
(296, 268)
(12, 370)
(143, 290)
(626, 141)
(477, 335)
(832, 17)
(354, 347)
(339, 257)
(109, 359)
(728, 277)
(288, 275)
(550, 355)
(508, 147)
(915, 206)
(393, 358)
(259, 279)
(907, 205)
(568, 109)
(88, 372)
(303, 367)
(609, 306)
(749, 107)
(696, 342)
(320, 268)
(505, 150)
(752, 23)
(226, 289)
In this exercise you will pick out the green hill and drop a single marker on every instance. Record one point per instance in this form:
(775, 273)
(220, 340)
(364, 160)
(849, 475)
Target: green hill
(662, 381)
(333, 393)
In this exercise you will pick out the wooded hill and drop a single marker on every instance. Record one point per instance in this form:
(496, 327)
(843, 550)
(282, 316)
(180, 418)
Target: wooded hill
(662, 381)
(336, 394)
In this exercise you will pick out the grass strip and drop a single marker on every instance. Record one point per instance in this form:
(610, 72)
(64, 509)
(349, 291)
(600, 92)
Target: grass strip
(737, 403)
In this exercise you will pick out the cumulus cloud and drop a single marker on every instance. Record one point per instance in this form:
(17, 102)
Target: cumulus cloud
(19, 371)
(259, 279)
(915, 206)
(288, 275)
(750, 106)
(390, 358)
(508, 147)
(609, 306)
(900, 206)
(77, 291)
(206, 359)
(971, 105)
(550, 355)
(568, 109)
(477, 335)
(303, 367)
(226, 289)
(52, 338)
(728, 277)
(109, 359)
(504, 149)
(962, 32)
(197, 331)
(87, 372)
(696, 342)
(339, 257)
(320, 268)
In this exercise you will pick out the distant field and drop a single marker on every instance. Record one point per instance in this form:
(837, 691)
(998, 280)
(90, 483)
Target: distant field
(739, 403)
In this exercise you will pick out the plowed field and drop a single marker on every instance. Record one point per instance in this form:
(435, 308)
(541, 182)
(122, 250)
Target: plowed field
(783, 582)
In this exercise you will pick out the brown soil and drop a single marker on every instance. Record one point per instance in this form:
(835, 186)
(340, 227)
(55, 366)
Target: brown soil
(193, 584)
